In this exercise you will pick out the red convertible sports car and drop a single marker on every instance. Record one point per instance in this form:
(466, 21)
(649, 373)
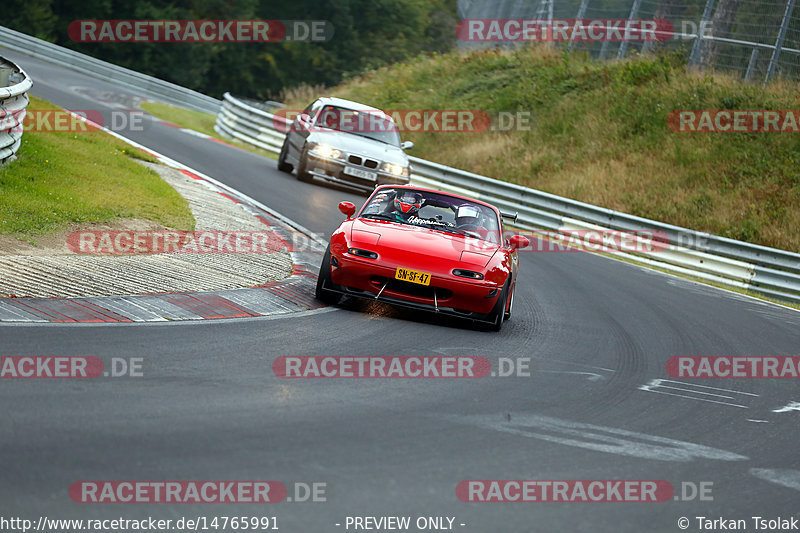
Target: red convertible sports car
(424, 249)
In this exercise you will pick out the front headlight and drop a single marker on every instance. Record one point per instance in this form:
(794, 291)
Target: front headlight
(397, 170)
(328, 152)
(362, 253)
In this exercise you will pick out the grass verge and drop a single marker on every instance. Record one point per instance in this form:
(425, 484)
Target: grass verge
(81, 177)
(197, 121)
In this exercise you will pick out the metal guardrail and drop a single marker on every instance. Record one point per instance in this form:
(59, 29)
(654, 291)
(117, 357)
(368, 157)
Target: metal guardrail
(240, 120)
(142, 83)
(768, 271)
(14, 87)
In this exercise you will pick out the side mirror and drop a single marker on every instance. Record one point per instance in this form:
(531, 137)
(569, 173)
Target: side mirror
(406, 145)
(518, 241)
(348, 208)
(301, 122)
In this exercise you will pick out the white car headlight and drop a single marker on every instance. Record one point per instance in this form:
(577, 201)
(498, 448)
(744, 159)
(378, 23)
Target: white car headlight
(397, 170)
(328, 152)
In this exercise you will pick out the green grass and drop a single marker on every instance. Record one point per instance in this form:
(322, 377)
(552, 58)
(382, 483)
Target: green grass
(82, 177)
(185, 118)
(599, 135)
(197, 121)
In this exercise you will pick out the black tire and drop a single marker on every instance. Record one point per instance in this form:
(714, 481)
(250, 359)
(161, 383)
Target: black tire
(324, 280)
(498, 313)
(302, 167)
(283, 166)
(511, 304)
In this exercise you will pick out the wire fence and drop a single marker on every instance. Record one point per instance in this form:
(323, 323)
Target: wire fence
(757, 39)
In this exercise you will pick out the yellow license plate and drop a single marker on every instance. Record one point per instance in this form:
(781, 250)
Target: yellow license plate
(413, 276)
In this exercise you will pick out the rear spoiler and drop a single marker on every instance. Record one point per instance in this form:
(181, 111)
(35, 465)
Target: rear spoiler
(510, 216)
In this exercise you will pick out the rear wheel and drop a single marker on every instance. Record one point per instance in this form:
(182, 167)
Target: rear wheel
(283, 166)
(324, 283)
(302, 167)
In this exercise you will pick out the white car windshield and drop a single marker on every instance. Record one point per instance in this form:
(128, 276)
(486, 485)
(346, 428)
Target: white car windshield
(435, 211)
(370, 124)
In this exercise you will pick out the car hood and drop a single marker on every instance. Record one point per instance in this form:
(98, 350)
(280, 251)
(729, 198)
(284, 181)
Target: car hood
(355, 144)
(415, 246)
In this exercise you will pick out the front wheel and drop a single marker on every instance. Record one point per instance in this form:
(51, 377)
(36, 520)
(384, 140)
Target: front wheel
(302, 167)
(283, 166)
(324, 282)
(498, 313)
(510, 304)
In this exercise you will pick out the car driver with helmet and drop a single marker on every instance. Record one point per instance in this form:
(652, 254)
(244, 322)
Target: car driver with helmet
(407, 204)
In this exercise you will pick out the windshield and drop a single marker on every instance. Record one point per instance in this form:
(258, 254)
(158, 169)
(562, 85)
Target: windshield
(370, 124)
(435, 211)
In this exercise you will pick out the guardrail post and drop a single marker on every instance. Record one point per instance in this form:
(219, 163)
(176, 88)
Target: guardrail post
(578, 20)
(698, 40)
(751, 65)
(776, 52)
(624, 44)
(603, 49)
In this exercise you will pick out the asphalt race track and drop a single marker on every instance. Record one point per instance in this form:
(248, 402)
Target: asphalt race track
(598, 332)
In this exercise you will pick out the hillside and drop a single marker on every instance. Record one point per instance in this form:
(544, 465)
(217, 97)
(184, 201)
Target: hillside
(599, 134)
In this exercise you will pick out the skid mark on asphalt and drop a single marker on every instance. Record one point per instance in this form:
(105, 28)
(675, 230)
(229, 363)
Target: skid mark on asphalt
(721, 396)
(791, 406)
(700, 393)
(597, 438)
(591, 376)
(786, 478)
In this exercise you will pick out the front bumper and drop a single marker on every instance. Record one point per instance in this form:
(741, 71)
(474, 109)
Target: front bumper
(365, 278)
(333, 170)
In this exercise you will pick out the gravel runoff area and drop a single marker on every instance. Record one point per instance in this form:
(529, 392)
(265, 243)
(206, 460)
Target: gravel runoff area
(57, 271)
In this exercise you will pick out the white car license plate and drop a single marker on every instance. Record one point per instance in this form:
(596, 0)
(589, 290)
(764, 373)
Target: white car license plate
(357, 172)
